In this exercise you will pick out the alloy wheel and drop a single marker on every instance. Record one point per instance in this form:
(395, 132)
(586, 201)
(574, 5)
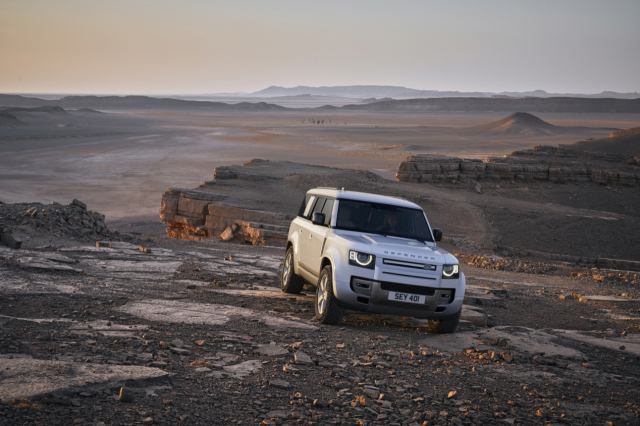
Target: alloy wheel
(286, 270)
(322, 295)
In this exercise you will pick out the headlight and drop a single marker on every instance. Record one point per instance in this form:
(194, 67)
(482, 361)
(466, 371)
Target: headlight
(363, 260)
(450, 271)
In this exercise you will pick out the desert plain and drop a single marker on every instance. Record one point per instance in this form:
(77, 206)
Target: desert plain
(110, 322)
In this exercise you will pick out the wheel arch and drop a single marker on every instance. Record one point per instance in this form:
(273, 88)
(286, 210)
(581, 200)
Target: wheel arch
(290, 246)
(327, 260)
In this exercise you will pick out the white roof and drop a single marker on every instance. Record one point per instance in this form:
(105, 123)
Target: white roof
(363, 196)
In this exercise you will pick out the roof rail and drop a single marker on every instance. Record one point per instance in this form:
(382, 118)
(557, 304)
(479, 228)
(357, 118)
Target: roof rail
(324, 187)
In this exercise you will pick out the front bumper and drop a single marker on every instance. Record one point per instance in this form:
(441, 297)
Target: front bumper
(370, 295)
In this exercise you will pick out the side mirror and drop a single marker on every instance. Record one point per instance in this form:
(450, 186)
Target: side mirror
(317, 218)
(437, 234)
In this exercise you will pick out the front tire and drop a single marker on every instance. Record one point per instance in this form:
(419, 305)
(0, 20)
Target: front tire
(328, 311)
(446, 326)
(289, 281)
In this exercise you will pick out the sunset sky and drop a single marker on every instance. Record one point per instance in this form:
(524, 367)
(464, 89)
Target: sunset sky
(202, 46)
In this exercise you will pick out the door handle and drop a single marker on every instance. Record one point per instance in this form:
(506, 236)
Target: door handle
(310, 235)
(301, 230)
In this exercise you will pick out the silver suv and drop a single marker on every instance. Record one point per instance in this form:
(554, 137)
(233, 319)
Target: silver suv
(371, 253)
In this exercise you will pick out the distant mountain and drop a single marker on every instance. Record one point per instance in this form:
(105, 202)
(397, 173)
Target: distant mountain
(362, 92)
(135, 102)
(622, 142)
(305, 96)
(399, 92)
(543, 94)
(530, 105)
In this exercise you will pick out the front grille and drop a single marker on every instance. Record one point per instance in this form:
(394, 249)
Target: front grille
(408, 288)
(412, 265)
(402, 305)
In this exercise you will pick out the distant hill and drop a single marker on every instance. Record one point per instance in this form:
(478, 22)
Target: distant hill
(518, 123)
(8, 120)
(460, 104)
(55, 110)
(622, 142)
(530, 105)
(87, 111)
(372, 100)
(135, 102)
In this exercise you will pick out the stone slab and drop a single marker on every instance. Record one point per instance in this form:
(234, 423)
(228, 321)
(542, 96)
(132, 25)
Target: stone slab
(173, 311)
(271, 350)
(526, 340)
(302, 358)
(629, 344)
(25, 377)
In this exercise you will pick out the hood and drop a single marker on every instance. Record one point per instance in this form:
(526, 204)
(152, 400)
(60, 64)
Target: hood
(401, 248)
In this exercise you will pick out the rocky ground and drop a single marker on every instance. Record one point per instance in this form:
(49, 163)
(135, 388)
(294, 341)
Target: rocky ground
(141, 329)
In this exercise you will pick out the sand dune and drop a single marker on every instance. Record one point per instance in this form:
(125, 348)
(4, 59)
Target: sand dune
(518, 123)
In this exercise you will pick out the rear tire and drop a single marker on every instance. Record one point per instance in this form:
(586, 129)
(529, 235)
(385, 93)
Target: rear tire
(328, 311)
(445, 326)
(289, 281)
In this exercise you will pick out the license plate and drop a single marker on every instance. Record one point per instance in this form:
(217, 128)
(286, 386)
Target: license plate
(407, 297)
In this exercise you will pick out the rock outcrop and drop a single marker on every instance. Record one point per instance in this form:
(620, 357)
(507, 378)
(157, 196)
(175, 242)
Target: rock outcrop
(251, 203)
(198, 215)
(73, 220)
(541, 164)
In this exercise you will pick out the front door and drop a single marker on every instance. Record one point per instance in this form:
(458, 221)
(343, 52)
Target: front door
(317, 236)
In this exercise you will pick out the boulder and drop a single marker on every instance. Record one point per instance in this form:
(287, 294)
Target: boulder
(10, 241)
(227, 234)
(79, 203)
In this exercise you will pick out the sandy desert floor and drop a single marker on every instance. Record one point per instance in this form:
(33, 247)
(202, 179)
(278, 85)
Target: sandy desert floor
(120, 163)
(194, 331)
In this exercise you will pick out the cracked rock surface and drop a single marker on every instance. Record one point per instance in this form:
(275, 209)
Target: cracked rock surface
(187, 332)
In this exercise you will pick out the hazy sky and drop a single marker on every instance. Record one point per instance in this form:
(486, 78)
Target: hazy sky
(206, 46)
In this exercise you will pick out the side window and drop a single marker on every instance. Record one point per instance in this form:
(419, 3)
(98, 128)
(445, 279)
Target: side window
(327, 209)
(310, 203)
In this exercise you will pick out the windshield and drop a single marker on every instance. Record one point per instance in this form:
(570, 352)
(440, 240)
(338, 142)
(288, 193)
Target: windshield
(382, 219)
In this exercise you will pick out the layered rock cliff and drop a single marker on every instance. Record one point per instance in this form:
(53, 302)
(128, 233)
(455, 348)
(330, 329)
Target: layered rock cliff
(198, 215)
(541, 164)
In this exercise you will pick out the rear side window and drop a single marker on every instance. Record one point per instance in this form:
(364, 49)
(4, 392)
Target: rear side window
(313, 203)
(310, 202)
(327, 209)
(303, 206)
